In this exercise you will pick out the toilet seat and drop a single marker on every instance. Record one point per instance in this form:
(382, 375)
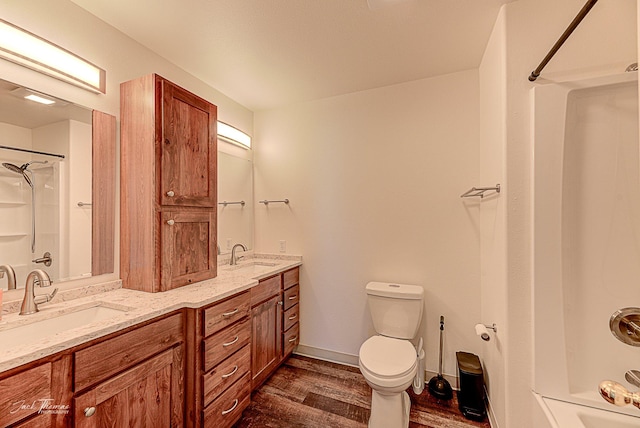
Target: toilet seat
(387, 361)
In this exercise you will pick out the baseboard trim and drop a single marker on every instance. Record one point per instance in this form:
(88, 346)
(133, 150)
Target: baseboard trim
(352, 360)
(327, 355)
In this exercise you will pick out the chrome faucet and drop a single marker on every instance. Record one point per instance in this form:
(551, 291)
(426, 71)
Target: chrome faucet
(234, 258)
(616, 394)
(31, 301)
(11, 276)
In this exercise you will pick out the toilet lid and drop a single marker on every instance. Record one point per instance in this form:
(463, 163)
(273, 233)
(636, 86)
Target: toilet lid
(387, 357)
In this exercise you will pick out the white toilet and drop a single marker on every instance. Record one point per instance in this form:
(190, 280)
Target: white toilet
(388, 361)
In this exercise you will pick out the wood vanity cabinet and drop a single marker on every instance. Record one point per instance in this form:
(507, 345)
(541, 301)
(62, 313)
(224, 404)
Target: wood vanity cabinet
(266, 321)
(24, 390)
(221, 369)
(168, 167)
(291, 311)
(274, 323)
(132, 379)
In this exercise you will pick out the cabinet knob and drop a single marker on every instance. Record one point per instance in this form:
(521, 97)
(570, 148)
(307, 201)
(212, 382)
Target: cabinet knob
(170, 194)
(171, 222)
(89, 411)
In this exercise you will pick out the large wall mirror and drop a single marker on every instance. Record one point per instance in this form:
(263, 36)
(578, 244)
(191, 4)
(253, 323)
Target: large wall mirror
(235, 201)
(57, 210)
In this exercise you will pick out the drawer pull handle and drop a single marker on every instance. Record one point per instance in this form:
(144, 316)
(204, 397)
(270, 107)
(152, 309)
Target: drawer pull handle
(235, 404)
(228, 314)
(294, 316)
(235, 369)
(171, 222)
(89, 411)
(170, 194)
(294, 297)
(232, 342)
(293, 339)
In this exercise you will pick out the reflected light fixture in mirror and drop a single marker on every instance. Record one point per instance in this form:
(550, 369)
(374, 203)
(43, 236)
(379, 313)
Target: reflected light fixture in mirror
(37, 97)
(233, 135)
(27, 49)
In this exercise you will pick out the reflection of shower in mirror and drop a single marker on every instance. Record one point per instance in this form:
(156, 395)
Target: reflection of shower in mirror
(29, 208)
(29, 178)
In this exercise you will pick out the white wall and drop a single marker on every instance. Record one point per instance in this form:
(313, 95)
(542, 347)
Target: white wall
(493, 99)
(374, 179)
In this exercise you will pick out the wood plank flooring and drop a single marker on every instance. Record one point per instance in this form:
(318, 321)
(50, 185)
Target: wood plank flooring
(310, 393)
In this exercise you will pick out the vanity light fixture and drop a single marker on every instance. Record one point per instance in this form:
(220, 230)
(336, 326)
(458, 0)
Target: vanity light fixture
(233, 135)
(24, 48)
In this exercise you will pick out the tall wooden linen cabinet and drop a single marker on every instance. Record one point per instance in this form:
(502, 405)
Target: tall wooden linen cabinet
(168, 167)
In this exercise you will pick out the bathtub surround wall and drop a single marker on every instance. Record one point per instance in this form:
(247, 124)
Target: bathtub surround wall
(605, 42)
(586, 211)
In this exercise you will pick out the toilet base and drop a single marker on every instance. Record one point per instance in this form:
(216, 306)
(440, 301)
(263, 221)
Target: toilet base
(389, 410)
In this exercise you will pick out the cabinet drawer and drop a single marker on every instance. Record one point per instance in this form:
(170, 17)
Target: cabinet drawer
(112, 356)
(227, 409)
(291, 278)
(226, 313)
(290, 317)
(226, 373)
(291, 296)
(290, 339)
(224, 343)
(26, 388)
(266, 289)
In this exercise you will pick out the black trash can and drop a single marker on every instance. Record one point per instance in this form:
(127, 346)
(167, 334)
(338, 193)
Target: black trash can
(471, 394)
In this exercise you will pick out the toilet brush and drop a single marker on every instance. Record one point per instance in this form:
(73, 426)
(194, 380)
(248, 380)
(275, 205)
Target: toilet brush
(439, 387)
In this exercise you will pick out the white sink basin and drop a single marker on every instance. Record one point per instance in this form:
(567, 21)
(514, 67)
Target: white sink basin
(45, 324)
(253, 265)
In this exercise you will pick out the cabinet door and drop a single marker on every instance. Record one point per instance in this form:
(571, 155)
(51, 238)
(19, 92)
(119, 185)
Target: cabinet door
(187, 247)
(188, 149)
(266, 340)
(148, 395)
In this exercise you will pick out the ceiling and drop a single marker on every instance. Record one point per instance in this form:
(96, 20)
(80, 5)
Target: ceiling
(268, 53)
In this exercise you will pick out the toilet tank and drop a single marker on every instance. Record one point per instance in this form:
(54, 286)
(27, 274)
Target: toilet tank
(396, 309)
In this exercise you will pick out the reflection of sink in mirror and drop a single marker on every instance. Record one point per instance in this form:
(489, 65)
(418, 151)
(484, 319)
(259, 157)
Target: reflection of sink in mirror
(49, 324)
(250, 265)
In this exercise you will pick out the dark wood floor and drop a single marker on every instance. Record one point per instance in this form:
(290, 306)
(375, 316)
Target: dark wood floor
(310, 393)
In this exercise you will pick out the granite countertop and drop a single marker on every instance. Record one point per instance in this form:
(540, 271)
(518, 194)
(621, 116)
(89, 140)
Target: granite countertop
(132, 307)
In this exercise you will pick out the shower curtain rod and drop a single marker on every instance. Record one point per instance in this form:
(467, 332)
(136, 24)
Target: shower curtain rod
(563, 38)
(32, 151)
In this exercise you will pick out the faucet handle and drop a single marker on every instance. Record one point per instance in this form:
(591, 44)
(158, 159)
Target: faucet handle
(633, 377)
(43, 298)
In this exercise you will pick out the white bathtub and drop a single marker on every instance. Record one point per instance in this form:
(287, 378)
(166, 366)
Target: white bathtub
(586, 245)
(561, 414)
